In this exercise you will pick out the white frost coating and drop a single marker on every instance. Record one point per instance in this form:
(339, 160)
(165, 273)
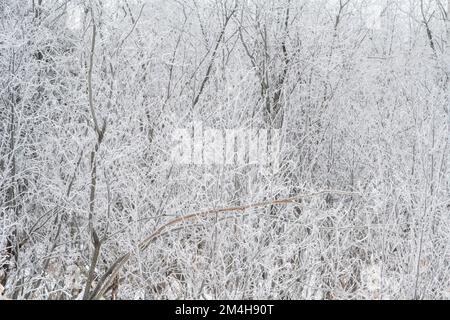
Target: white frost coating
(282, 149)
(74, 17)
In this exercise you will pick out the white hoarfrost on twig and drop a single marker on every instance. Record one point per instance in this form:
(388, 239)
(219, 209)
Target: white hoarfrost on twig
(220, 149)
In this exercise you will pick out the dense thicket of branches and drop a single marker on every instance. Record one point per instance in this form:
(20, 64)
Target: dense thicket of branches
(92, 205)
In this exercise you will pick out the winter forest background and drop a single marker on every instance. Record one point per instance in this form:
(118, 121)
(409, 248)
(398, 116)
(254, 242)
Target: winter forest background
(93, 206)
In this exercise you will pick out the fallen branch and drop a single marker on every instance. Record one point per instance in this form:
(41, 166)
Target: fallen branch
(103, 285)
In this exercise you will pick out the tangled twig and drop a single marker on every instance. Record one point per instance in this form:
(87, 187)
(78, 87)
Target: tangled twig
(105, 282)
